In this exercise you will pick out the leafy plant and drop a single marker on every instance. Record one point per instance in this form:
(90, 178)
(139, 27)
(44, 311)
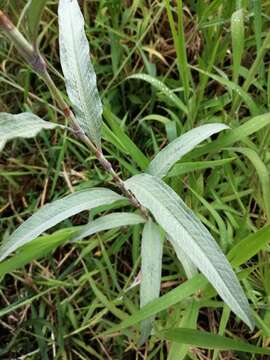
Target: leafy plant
(154, 202)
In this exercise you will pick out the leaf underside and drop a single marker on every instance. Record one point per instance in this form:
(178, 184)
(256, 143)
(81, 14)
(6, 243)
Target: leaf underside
(80, 77)
(55, 212)
(193, 238)
(24, 125)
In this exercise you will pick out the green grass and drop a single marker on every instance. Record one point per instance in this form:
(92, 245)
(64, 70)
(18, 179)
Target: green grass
(75, 301)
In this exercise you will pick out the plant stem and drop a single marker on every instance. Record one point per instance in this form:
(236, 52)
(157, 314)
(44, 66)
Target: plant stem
(39, 65)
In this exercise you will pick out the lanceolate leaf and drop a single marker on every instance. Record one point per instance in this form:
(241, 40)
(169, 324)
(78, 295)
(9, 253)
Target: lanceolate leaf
(54, 213)
(187, 264)
(151, 255)
(107, 222)
(173, 152)
(237, 30)
(36, 249)
(207, 340)
(158, 85)
(78, 70)
(24, 125)
(190, 235)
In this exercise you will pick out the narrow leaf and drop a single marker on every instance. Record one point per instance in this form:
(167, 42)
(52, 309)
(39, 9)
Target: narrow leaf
(158, 85)
(151, 255)
(262, 172)
(173, 297)
(207, 340)
(237, 30)
(186, 167)
(78, 70)
(107, 222)
(184, 259)
(178, 351)
(34, 13)
(248, 247)
(175, 150)
(36, 249)
(24, 125)
(239, 133)
(55, 212)
(193, 238)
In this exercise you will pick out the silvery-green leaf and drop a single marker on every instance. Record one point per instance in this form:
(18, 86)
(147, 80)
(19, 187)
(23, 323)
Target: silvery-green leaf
(151, 257)
(108, 222)
(175, 150)
(189, 234)
(78, 70)
(55, 212)
(184, 259)
(24, 125)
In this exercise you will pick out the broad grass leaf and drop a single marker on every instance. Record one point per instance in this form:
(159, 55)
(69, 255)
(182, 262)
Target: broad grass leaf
(176, 295)
(36, 249)
(34, 13)
(190, 235)
(24, 125)
(248, 247)
(186, 167)
(108, 222)
(237, 31)
(178, 351)
(78, 70)
(151, 262)
(130, 147)
(240, 92)
(262, 172)
(206, 340)
(175, 150)
(167, 92)
(55, 212)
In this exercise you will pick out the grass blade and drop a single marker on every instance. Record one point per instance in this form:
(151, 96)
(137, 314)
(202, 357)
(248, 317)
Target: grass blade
(237, 30)
(207, 340)
(167, 92)
(34, 13)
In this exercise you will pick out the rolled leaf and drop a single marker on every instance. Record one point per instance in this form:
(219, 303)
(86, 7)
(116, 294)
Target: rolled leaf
(24, 125)
(193, 238)
(174, 151)
(151, 255)
(80, 77)
(55, 212)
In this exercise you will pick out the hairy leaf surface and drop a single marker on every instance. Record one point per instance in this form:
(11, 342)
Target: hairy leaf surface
(24, 125)
(78, 70)
(175, 150)
(55, 212)
(193, 238)
(151, 255)
(107, 222)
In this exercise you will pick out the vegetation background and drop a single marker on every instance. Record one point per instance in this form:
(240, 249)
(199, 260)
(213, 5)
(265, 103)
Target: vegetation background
(57, 306)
